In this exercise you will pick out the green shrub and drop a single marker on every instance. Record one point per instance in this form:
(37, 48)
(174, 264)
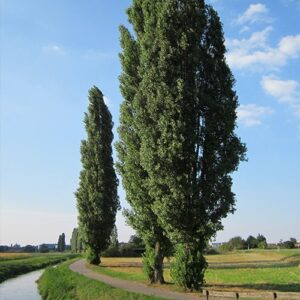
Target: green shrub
(93, 257)
(188, 268)
(148, 262)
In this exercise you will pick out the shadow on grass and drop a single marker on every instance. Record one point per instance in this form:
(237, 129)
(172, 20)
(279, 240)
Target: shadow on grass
(293, 287)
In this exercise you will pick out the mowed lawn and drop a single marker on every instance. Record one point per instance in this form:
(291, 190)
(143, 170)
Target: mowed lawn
(244, 270)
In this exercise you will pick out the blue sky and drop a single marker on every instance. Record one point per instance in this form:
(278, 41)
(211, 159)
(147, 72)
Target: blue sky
(52, 52)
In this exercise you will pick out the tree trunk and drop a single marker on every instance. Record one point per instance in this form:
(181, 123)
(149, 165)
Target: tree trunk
(158, 276)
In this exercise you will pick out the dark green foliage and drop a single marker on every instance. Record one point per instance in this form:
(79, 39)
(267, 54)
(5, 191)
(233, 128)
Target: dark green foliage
(251, 242)
(134, 175)
(235, 243)
(188, 268)
(92, 256)
(97, 199)
(113, 248)
(293, 240)
(149, 261)
(61, 244)
(137, 241)
(43, 248)
(287, 244)
(261, 241)
(114, 243)
(29, 249)
(177, 146)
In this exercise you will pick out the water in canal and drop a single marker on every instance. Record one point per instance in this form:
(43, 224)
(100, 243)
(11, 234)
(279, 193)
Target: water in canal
(23, 287)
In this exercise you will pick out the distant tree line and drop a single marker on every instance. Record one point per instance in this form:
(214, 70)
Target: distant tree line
(238, 243)
(134, 248)
(289, 244)
(259, 242)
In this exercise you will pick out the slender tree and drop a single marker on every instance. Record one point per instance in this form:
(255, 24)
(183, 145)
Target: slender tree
(63, 242)
(73, 240)
(114, 238)
(97, 199)
(141, 216)
(177, 126)
(59, 243)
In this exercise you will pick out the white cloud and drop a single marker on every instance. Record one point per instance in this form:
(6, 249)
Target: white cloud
(108, 102)
(252, 114)
(255, 52)
(285, 91)
(54, 49)
(290, 45)
(254, 13)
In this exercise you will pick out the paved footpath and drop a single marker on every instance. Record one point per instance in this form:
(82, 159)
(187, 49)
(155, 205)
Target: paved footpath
(130, 286)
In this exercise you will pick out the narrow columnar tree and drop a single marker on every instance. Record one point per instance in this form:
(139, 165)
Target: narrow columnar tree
(97, 199)
(114, 238)
(178, 143)
(74, 240)
(59, 244)
(141, 216)
(63, 242)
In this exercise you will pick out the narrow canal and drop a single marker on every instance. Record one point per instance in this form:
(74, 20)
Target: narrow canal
(23, 287)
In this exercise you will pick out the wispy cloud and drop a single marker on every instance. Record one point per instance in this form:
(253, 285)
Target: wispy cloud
(54, 49)
(252, 115)
(293, 2)
(285, 91)
(108, 102)
(253, 14)
(256, 53)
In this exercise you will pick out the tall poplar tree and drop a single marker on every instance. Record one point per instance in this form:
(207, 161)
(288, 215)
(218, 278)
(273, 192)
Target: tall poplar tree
(97, 199)
(178, 118)
(141, 216)
(59, 243)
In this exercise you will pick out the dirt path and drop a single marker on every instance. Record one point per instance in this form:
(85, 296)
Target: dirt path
(130, 286)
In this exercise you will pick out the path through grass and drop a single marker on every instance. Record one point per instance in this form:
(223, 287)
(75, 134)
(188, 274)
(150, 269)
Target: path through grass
(62, 284)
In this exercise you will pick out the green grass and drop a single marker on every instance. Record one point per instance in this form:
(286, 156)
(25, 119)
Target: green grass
(126, 273)
(244, 270)
(285, 279)
(61, 283)
(11, 267)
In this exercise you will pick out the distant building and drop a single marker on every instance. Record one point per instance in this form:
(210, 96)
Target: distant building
(216, 245)
(297, 245)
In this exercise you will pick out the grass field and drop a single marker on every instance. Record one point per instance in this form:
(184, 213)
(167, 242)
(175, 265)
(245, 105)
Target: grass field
(10, 256)
(245, 270)
(12, 264)
(62, 284)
